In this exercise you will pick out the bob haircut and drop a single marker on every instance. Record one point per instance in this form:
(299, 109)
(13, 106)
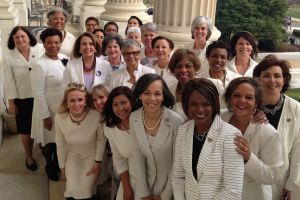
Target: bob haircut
(110, 118)
(98, 90)
(10, 42)
(76, 50)
(50, 32)
(149, 26)
(202, 20)
(142, 85)
(271, 61)
(110, 38)
(247, 36)
(179, 55)
(92, 19)
(215, 45)
(111, 23)
(53, 12)
(236, 83)
(170, 42)
(207, 89)
(63, 108)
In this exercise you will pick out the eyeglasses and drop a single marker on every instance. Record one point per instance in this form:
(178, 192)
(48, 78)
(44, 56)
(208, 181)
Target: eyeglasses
(77, 85)
(134, 53)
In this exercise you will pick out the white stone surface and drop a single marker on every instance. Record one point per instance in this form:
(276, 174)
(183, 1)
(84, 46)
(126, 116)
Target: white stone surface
(23, 13)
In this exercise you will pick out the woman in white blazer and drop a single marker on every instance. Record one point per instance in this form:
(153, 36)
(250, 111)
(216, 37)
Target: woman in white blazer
(283, 114)
(155, 127)
(86, 68)
(260, 143)
(19, 59)
(46, 83)
(207, 165)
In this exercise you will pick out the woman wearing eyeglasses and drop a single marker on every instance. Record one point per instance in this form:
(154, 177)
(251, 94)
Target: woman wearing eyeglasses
(80, 143)
(128, 76)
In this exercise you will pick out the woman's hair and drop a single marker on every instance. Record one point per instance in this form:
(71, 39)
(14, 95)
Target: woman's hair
(10, 42)
(215, 45)
(92, 19)
(139, 22)
(236, 83)
(271, 61)
(202, 20)
(142, 85)
(98, 90)
(99, 30)
(207, 89)
(53, 12)
(171, 44)
(50, 32)
(149, 26)
(63, 108)
(110, 38)
(179, 55)
(110, 117)
(76, 50)
(129, 43)
(247, 36)
(111, 23)
(133, 30)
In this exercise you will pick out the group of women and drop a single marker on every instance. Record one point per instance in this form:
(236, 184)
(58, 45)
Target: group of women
(189, 124)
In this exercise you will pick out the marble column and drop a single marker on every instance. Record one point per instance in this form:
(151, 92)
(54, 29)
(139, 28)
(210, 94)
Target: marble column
(120, 10)
(23, 12)
(91, 8)
(174, 18)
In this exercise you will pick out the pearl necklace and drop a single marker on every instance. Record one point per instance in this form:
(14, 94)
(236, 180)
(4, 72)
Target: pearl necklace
(77, 120)
(156, 124)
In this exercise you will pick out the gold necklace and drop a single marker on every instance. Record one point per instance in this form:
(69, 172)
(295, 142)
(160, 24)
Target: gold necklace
(157, 122)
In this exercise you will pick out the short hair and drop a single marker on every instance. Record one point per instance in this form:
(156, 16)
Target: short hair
(247, 36)
(207, 89)
(179, 55)
(133, 30)
(215, 45)
(76, 50)
(142, 85)
(111, 38)
(110, 118)
(63, 108)
(50, 32)
(202, 20)
(92, 19)
(99, 30)
(128, 43)
(171, 43)
(54, 11)
(149, 26)
(111, 23)
(133, 17)
(10, 42)
(237, 82)
(98, 90)
(271, 61)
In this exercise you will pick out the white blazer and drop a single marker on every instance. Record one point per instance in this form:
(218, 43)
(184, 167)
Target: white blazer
(168, 77)
(249, 73)
(17, 73)
(74, 72)
(220, 167)
(289, 129)
(263, 168)
(159, 158)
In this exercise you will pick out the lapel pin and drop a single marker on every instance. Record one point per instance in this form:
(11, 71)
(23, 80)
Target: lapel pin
(288, 120)
(209, 139)
(98, 73)
(33, 56)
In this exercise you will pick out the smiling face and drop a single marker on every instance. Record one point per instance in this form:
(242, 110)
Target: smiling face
(200, 32)
(76, 102)
(217, 59)
(272, 80)
(184, 71)
(153, 97)
(200, 110)
(133, 23)
(131, 56)
(21, 39)
(111, 29)
(99, 101)
(147, 37)
(243, 47)
(135, 36)
(242, 101)
(52, 46)
(113, 50)
(58, 21)
(87, 47)
(91, 25)
(162, 50)
(100, 36)
(121, 107)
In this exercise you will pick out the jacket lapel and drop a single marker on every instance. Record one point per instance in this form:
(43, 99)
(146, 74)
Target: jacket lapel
(79, 70)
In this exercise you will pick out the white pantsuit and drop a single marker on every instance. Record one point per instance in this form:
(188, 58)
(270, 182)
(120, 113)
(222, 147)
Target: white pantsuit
(160, 155)
(220, 169)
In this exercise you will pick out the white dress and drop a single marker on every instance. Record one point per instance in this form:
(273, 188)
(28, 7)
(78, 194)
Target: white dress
(46, 83)
(249, 73)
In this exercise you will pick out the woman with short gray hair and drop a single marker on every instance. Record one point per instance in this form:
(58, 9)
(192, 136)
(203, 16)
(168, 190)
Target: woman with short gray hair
(149, 32)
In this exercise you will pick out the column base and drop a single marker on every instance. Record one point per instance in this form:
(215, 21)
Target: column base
(23, 14)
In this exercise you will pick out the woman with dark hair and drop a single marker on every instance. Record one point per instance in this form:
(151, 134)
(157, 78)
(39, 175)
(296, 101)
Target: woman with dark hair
(23, 53)
(243, 53)
(260, 143)
(100, 34)
(46, 83)
(111, 28)
(283, 114)
(155, 127)
(86, 68)
(206, 165)
(133, 21)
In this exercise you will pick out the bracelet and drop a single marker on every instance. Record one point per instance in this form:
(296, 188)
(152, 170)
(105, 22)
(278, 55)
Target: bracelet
(96, 161)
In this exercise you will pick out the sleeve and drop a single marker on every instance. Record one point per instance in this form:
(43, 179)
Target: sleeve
(38, 84)
(61, 144)
(101, 143)
(9, 80)
(233, 170)
(67, 76)
(265, 169)
(108, 73)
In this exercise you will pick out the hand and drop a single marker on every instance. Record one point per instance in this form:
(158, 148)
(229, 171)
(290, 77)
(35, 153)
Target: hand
(63, 173)
(242, 147)
(128, 193)
(12, 109)
(286, 195)
(259, 117)
(48, 123)
(94, 170)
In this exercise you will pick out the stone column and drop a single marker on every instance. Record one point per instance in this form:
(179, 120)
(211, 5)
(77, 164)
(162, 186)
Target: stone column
(120, 10)
(23, 12)
(174, 18)
(91, 8)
